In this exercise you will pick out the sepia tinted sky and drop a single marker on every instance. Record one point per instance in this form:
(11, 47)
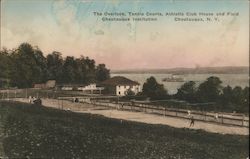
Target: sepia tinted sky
(71, 28)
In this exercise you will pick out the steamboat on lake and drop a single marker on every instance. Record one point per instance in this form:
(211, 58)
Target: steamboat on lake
(173, 78)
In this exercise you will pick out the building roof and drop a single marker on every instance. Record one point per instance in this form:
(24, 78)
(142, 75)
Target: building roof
(74, 85)
(119, 80)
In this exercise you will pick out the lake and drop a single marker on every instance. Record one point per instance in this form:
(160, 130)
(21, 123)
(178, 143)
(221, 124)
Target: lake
(227, 79)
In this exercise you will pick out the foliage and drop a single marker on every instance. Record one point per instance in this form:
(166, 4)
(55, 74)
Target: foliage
(187, 92)
(129, 92)
(54, 66)
(5, 63)
(26, 65)
(102, 73)
(209, 91)
(154, 90)
(224, 98)
(30, 131)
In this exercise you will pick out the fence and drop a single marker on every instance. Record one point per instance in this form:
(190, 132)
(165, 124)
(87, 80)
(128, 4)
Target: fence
(223, 118)
(42, 93)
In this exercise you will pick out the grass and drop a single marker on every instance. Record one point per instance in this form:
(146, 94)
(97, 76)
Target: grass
(40, 132)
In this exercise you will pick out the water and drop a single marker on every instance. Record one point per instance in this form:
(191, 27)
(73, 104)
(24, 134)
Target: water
(227, 79)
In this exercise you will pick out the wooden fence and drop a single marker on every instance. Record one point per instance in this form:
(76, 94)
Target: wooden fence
(222, 118)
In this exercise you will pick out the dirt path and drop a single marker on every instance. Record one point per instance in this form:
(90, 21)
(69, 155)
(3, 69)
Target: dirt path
(143, 117)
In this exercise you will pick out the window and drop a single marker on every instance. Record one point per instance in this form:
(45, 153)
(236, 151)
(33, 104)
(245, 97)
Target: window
(119, 92)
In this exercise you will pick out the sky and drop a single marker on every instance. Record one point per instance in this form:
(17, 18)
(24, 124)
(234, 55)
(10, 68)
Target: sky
(71, 28)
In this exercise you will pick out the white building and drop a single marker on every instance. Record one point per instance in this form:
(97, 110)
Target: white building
(67, 88)
(121, 90)
(91, 88)
(120, 86)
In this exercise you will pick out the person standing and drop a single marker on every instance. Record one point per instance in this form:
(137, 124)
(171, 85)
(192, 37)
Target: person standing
(216, 116)
(30, 98)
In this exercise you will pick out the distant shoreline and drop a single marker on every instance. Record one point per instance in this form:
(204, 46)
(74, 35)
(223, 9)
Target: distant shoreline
(199, 70)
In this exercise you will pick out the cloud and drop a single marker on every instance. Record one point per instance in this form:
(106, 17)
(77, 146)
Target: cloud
(68, 28)
(65, 16)
(99, 32)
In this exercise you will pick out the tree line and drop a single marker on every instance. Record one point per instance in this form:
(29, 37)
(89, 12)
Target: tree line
(26, 65)
(210, 91)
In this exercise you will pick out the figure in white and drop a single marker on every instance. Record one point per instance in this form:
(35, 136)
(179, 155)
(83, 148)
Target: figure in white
(30, 98)
(189, 113)
(216, 116)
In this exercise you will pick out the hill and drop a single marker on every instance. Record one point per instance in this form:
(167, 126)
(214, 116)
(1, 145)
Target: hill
(40, 132)
(198, 70)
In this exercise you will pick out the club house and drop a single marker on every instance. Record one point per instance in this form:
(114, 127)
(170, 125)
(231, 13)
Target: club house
(119, 86)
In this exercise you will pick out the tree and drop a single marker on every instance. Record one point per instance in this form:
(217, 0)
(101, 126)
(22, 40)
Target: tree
(226, 95)
(102, 73)
(26, 65)
(4, 63)
(246, 95)
(209, 91)
(69, 70)
(237, 96)
(235, 99)
(42, 66)
(54, 65)
(187, 92)
(226, 98)
(246, 99)
(154, 90)
(90, 70)
(129, 92)
(25, 70)
(5, 68)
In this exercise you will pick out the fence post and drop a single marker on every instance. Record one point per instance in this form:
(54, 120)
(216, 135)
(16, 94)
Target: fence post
(26, 94)
(222, 118)
(243, 119)
(62, 104)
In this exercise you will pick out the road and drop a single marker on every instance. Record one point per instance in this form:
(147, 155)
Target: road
(141, 117)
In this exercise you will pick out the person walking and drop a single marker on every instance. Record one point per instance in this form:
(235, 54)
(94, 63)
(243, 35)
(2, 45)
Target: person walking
(192, 121)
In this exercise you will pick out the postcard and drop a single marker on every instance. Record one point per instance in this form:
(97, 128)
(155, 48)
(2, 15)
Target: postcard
(124, 79)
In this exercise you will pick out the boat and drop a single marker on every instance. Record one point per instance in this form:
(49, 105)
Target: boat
(173, 79)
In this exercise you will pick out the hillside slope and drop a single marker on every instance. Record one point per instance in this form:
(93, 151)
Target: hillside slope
(32, 131)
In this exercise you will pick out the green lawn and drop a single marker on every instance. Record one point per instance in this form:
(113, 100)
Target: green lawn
(33, 131)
